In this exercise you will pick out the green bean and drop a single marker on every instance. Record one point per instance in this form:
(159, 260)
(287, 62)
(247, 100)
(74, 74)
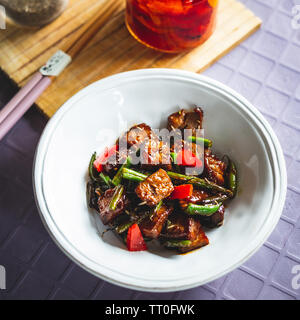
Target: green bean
(178, 243)
(199, 182)
(133, 175)
(116, 197)
(207, 142)
(232, 176)
(106, 179)
(208, 210)
(118, 177)
(91, 167)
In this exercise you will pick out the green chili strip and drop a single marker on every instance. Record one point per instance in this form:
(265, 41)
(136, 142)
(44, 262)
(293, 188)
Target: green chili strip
(208, 210)
(178, 243)
(199, 182)
(118, 177)
(91, 167)
(207, 142)
(116, 197)
(106, 179)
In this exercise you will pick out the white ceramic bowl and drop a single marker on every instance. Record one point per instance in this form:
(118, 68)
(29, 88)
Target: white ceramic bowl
(234, 125)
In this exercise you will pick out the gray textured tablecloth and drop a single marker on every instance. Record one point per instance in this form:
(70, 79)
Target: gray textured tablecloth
(266, 70)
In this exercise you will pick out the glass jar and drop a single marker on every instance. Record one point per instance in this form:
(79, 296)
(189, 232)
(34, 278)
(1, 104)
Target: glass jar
(33, 13)
(171, 25)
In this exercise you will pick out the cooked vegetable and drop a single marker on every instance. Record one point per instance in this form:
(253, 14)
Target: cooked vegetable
(153, 199)
(232, 178)
(206, 210)
(188, 158)
(126, 225)
(106, 179)
(181, 192)
(135, 240)
(91, 167)
(98, 163)
(133, 175)
(178, 243)
(116, 197)
(207, 143)
(118, 177)
(199, 182)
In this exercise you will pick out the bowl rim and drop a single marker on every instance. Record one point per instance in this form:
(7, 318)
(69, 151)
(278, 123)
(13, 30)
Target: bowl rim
(271, 143)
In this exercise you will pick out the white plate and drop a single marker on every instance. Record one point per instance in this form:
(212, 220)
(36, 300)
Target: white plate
(234, 125)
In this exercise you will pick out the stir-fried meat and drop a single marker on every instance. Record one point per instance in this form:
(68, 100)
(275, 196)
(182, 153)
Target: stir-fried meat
(196, 235)
(114, 162)
(134, 208)
(151, 226)
(177, 120)
(214, 168)
(186, 120)
(106, 214)
(176, 226)
(155, 154)
(197, 197)
(215, 220)
(155, 188)
(137, 135)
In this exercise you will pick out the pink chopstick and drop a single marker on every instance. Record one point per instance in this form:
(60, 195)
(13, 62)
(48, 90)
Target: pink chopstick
(26, 97)
(22, 101)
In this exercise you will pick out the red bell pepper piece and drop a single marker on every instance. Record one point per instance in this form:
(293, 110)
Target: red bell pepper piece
(101, 159)
(188, 158)
(135, 240)
(182, 192)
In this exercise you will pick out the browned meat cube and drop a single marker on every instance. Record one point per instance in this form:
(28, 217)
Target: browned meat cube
(177, 226)
(177, 120)
(186, 120)
(155, 188)
(196, 235)
(182, 227)
(136, 135)
(155, 154)
(151, 227)
(106, 214)
(215, 220)
(214, 168)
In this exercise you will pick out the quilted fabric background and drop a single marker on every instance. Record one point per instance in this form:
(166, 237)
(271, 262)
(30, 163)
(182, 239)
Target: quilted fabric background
(266, 70)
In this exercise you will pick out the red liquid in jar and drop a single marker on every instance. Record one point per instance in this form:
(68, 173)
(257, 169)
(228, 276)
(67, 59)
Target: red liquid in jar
(171, 25)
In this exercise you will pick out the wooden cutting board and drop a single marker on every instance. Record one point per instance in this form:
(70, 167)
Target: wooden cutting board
(113, 50)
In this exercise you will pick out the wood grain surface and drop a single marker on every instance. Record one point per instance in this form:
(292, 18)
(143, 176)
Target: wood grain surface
(113, 49)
